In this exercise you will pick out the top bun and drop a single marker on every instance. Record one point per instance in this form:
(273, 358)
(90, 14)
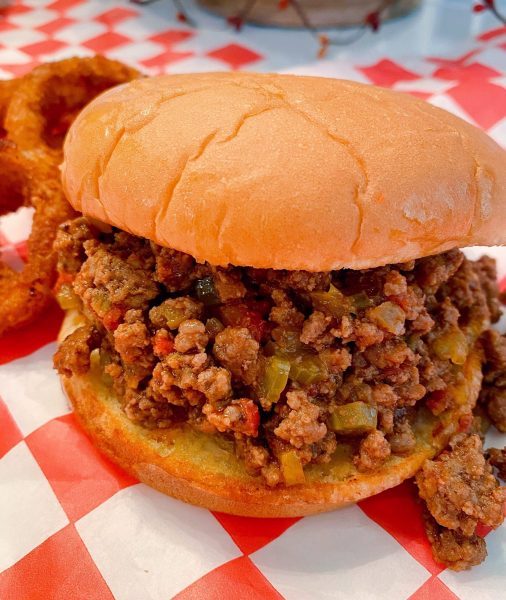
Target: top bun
(285, 172)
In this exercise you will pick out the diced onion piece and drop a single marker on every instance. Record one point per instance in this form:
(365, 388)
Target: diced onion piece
(389, 316)
(291, 467)
(307, 369)
(451, 345)
(354, 418)
(274, 379)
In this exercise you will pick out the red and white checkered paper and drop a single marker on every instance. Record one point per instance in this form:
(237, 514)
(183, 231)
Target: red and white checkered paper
(74, 526)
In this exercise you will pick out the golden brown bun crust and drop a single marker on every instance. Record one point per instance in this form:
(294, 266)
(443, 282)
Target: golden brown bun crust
(203, 470)
(285, 172)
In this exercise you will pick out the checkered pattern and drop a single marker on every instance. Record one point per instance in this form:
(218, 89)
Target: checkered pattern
(73, 525)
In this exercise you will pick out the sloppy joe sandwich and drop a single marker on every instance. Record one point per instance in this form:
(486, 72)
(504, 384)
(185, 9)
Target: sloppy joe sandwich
(268, 313)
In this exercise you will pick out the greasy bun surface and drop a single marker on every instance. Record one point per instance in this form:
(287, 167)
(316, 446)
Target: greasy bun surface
(203, 469)
(285, 172)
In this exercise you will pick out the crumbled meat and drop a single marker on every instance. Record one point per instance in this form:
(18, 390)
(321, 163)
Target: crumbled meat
(241, 416)
(106, 283)
(402, 441)
(367, 334)
(175, 310)
(433, 271)
(255, 457)
(497, 458)
(148, 410)
(374, 450)
(175, 270)
(460, 489)
(292, 280)
(73, 355)
(237, 350)
(337, 359)
(214, 383)
(486, 269)
(392, 353)
(284, 312)
(452, 548)
(395, 284)
(175, 378)
(384, 395)
(192, 335)
(301, 425)
(183, 341)
(132, 342)
(493, 393)
(69, 244)
(386, 420)
(228, 285)
(314, 331)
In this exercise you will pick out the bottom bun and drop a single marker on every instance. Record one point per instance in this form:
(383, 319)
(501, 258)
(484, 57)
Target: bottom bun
(202, 469)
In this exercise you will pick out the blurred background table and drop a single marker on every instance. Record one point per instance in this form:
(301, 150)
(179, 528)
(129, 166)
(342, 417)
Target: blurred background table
(443, 51)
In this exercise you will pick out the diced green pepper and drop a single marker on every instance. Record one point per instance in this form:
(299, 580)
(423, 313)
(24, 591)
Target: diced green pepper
(360, 300)
(291, 468)
(451, 345)
(274, 379)
(206, 291)
(333, 302)
(307, 369)
(354, 418)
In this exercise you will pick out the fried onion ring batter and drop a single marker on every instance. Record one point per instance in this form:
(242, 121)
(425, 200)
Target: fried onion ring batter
(35, 113)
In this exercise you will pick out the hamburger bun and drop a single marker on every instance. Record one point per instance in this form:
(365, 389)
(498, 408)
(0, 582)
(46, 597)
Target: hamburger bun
(284, 172)
(204, 470)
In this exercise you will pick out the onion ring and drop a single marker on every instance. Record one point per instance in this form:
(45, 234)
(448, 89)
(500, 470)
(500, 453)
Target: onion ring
(35, 113)
(7, 87)
(47, 100)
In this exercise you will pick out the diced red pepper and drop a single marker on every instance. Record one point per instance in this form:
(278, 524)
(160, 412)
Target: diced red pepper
(239, 315)
(263, 307)
(113, 318)
(162, 344)
(250, 417)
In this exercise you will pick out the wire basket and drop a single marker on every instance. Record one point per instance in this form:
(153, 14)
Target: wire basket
(321, 13)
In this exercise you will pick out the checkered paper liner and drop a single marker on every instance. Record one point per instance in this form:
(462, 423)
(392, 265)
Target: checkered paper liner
(74, 526)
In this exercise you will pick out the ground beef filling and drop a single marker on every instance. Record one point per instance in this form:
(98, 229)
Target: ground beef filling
(287, 363)
(460, 492)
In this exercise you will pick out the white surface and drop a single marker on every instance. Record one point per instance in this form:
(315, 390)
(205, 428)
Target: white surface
(31, 390)
(80, 32)
(18, 224)
(148, 546)
(486, 581)
(340, 555)
(29, 510)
